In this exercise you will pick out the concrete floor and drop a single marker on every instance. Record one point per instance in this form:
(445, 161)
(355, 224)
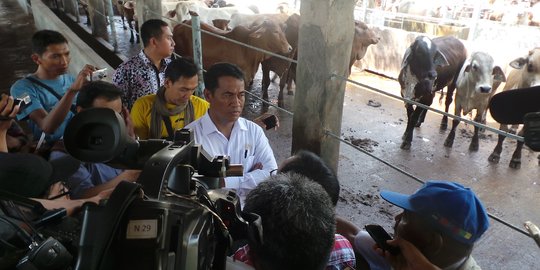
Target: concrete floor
(507, 193)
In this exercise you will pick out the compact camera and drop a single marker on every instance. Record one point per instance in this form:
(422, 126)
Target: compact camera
(99, 74)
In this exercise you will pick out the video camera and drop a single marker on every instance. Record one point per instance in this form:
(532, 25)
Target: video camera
(177, 223)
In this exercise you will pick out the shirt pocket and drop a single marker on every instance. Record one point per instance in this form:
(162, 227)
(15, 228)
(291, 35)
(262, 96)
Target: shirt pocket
(248, 163)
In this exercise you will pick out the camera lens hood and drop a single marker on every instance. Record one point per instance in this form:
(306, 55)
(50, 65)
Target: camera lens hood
(96, 135)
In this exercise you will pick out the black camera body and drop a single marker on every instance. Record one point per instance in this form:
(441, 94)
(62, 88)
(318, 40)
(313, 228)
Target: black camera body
(177, 224)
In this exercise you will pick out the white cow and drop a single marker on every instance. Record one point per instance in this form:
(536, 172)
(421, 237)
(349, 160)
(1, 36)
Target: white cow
(206, 14)
(526, 73)
(478, 80)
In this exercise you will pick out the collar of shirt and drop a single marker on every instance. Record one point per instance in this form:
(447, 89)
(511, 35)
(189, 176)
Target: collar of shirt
(146, 60)
(209, 127)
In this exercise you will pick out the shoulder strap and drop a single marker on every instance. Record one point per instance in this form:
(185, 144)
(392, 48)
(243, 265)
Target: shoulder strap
(168, 125)
(48, 88)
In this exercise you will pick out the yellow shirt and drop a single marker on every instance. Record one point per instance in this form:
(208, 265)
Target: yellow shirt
(142, 110)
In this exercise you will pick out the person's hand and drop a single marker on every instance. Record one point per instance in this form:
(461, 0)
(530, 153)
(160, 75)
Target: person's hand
(130, 175)
(82, 78)
(259, 120)
(129, 123)
(409, 257)
(7, 112)
(256, 166)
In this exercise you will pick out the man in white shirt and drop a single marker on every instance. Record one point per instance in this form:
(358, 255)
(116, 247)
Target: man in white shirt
(221, 131)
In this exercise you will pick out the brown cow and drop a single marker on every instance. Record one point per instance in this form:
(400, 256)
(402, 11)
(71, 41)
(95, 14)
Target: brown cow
(363, 38)
(267, 36)
(526, 74)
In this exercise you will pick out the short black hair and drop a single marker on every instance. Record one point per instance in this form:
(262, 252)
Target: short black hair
(313, 167)
(180, 67)
(43, 38)
(97, 89)
(297, 222)
(219, 70)
(151, 29)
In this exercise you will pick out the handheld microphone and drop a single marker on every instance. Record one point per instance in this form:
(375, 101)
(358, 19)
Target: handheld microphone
(510, 107)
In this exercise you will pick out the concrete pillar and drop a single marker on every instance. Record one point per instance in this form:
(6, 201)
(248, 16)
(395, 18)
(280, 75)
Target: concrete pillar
(96, 10)
(326, 34)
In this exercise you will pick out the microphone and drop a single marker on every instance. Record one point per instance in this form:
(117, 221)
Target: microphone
(509, 107)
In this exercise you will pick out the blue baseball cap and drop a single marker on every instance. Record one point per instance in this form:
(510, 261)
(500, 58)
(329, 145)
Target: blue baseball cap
(452, 208)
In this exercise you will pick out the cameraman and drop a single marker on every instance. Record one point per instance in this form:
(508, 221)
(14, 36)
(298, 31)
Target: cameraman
(29, 167)
(297, 222)
(93, 178)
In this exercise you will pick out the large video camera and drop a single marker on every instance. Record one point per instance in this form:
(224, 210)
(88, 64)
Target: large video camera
(178, 224)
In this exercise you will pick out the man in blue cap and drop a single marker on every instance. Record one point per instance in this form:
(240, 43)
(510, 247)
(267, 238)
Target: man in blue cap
(442, 220)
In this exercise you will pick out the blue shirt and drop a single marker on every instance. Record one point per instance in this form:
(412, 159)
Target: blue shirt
(88, 175)
(42, 99)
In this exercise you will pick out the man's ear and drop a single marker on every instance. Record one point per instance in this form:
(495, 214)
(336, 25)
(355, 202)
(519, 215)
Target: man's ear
(35, 58)
(79, 109)
(167, 82)
(207, 94)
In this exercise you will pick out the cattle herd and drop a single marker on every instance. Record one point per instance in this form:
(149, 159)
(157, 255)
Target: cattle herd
(428, 65)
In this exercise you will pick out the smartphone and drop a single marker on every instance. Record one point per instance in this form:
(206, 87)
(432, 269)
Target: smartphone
(381, 236)
(22, 102)
(98, 74)
(270, 121)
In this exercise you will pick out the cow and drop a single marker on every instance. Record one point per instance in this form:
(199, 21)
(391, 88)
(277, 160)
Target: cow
(363, 38)
(205, 13)
(526, 73)
(267, 36)
(478, 80)
(428, 66)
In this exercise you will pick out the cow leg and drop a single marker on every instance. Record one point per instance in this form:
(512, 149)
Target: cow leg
(449, 142)
(408, 135)
(265, 80)
(291, 77)
(447, 102)
(496, 154)
(474, 142)
(421, 118)
(515, 162)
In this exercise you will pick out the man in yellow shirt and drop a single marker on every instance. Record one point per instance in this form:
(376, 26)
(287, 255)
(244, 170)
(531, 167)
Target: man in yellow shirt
(173, 106)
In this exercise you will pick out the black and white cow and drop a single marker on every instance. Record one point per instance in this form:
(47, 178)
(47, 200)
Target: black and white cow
(477, 82)
(428, 66)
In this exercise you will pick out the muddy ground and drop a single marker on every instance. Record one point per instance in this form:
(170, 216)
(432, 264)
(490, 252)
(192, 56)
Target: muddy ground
(508, 194)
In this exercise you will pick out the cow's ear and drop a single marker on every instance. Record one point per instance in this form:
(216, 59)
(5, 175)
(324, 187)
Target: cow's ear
(498, 74)
(468, 68)
(518, 63)
(406, 56)
(439, 59)
(257, 34)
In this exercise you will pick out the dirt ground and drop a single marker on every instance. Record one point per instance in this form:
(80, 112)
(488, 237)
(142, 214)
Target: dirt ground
(508, 194)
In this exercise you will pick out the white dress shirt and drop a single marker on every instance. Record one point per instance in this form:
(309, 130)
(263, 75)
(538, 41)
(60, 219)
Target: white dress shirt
(247, 145)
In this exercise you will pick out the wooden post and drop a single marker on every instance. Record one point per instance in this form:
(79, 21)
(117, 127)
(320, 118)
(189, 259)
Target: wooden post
(325, 41)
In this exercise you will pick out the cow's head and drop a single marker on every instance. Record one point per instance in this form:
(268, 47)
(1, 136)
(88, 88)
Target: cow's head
(481, 71)
(269, 36)
(421, 59)
(363, 38)
(530, 66)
